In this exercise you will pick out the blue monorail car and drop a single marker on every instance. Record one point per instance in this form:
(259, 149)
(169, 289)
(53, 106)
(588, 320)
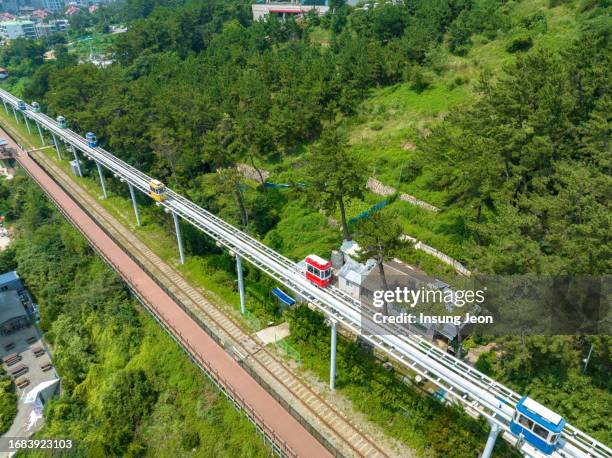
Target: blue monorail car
(537, 425)
(92, 140)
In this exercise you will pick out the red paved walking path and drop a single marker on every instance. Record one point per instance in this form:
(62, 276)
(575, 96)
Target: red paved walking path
(277, 419)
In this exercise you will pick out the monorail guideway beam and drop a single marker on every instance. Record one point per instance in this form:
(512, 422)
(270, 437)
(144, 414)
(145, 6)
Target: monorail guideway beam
(464, 383)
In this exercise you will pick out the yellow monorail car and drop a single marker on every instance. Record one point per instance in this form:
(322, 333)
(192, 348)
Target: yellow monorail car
(157, 190)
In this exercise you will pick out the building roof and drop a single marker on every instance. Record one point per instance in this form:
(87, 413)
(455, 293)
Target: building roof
(10, 306)
(8, 277)
(356, 272)
(17, 22)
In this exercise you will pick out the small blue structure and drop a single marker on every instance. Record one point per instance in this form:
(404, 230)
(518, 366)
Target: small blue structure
(35, 107)
(538, 425)
(61, 122)
(92, 140)
(21, 105)
(10, 281)
(283, 297)
(269, 184)
(439, 394)
(369, 211)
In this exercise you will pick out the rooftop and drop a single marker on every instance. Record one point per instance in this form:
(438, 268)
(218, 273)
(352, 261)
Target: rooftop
(8, 277)
(542, 411)
(10, 306)
(16, 22)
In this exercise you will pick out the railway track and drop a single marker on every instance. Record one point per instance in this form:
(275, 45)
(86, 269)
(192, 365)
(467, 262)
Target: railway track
(333, 425)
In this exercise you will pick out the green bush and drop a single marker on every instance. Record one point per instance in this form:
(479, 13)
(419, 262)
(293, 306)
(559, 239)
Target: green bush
(485, 362)
(419, 79)
(8, 403)
(521, 43)
(409, 171)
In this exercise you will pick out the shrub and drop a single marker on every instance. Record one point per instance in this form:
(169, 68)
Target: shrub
(419, 79)
(8, 404)
(520, 43)
(190, 440)
(409, 171)
(458, 81)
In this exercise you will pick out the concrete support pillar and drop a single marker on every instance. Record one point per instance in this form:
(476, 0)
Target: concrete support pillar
(179, 238)
(332, 363)
(76, 158)
(240, 284)
(101, 175)
(42, 138)
(490, 441)
(27, 122)
(5, 107)
(15, 113)
(59, 153)
(135, 204)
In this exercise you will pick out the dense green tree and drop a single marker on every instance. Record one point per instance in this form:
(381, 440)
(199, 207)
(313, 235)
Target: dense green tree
(333, 177)
(516, 154)
(380, 237)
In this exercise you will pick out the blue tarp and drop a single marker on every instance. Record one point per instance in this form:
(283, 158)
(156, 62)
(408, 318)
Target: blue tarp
(369, 211)
(269, 184)
(439, 394)
(282, 296)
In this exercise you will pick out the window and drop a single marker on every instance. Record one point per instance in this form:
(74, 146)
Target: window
(310, 269)
(525, 422)
(553, 438)
(540, 431)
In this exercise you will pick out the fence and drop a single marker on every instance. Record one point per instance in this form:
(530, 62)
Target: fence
(383, 190)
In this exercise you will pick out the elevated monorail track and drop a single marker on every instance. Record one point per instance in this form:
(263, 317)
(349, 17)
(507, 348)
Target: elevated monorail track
(465, 385)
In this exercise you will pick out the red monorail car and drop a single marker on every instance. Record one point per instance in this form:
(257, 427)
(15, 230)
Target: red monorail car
(318, 270)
